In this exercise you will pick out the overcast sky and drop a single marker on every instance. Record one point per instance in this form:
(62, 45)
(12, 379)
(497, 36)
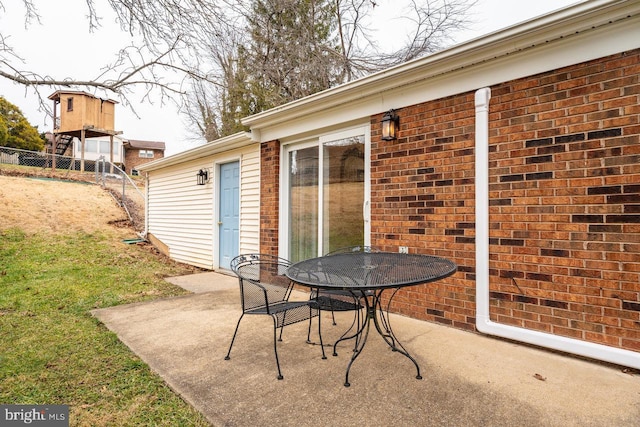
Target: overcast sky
(62, 47)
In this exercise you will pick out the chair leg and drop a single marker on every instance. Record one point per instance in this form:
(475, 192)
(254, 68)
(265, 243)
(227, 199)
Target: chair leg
(284, 318)
(228, 356)
(275, 346)
(324, 356)
(311, 317)
(319, 328)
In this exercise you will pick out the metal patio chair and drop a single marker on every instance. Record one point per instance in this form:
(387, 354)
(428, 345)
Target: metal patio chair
(265, 290)
(338, 300)
(357, 299)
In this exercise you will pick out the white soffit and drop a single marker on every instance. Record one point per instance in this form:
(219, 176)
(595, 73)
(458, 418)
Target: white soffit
(231, 142)
(572, 35)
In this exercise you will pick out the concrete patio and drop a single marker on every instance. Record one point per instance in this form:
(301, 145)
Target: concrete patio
(469, 379)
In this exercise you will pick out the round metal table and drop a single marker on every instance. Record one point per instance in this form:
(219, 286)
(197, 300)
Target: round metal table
(367, 275)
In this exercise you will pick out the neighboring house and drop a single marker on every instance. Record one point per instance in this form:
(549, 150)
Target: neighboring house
(206, 220)
(100, 147)
(139, 152)
(127, 154)
(517, 157)
(94, 148)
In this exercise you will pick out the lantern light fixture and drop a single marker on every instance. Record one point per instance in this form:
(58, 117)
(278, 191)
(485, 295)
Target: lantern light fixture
(389, 126)
(202, 176)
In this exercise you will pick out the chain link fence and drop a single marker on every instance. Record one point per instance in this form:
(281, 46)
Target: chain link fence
(36, 159)
(124, 189)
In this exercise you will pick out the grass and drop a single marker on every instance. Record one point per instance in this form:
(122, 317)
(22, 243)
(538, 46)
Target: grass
(52, 351)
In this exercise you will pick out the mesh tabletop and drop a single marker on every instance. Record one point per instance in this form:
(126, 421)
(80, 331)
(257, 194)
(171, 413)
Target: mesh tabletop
(360, 271)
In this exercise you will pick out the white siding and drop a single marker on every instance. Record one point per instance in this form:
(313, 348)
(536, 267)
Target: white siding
(250, 202)
(183, 215)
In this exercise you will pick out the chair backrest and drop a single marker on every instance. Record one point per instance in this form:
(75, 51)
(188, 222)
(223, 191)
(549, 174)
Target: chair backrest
(262, 279)
(348, 249)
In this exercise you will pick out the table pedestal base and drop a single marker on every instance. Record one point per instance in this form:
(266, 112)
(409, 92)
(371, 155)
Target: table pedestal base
(375, 313)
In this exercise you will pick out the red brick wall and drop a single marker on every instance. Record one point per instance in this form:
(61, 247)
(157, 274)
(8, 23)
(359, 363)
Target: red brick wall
(564, 202)
(132, 158)
(422, 196)
(269, 196)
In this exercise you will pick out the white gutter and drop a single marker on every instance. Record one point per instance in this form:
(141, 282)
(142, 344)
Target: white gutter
(483, 320)
(563, 23)
(231, 142)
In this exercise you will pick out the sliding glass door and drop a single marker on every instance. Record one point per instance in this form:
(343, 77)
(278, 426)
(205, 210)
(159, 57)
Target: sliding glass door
(342, 193)
(303, 203)
(328, 194)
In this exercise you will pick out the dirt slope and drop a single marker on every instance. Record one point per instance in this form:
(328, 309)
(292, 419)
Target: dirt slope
(45, 205)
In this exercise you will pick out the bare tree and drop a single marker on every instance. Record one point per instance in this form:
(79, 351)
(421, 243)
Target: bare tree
(287, 49)
(232, 58)
(429, 27)
(215, 109)
(202, 112)
(170, 34)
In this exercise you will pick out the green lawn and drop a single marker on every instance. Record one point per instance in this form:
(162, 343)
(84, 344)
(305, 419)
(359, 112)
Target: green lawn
(52, 351)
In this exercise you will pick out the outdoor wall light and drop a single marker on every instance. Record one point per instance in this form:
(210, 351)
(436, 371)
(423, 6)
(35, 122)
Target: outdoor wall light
(389, 126)
(203, 176)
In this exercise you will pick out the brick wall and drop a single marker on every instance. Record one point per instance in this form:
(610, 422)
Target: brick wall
(132, 158)
(422, 196)
(269, 196)
(564, 202)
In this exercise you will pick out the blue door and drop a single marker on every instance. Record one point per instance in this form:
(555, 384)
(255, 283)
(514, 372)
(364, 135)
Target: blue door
(229, 215)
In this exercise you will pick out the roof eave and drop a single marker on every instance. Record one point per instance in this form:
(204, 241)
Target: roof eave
(543, 29)
(56, 95)
(231, 142)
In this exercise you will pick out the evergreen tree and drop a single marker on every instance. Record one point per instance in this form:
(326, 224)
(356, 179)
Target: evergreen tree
(285, 50)
(289, 56)
(285, 54)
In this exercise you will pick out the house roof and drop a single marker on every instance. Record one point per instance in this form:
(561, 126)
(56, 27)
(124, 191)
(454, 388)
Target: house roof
(145, 145)
(231, 142)
(381, 91)
(56, 95)
(587, 30)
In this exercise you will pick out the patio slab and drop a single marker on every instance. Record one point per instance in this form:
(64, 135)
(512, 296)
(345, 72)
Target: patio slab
(468, 379)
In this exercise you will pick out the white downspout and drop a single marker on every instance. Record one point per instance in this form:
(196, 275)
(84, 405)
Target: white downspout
(483, 320)
(145, 233)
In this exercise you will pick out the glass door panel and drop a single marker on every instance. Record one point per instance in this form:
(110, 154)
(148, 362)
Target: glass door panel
(343, 191)
(303, 203)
